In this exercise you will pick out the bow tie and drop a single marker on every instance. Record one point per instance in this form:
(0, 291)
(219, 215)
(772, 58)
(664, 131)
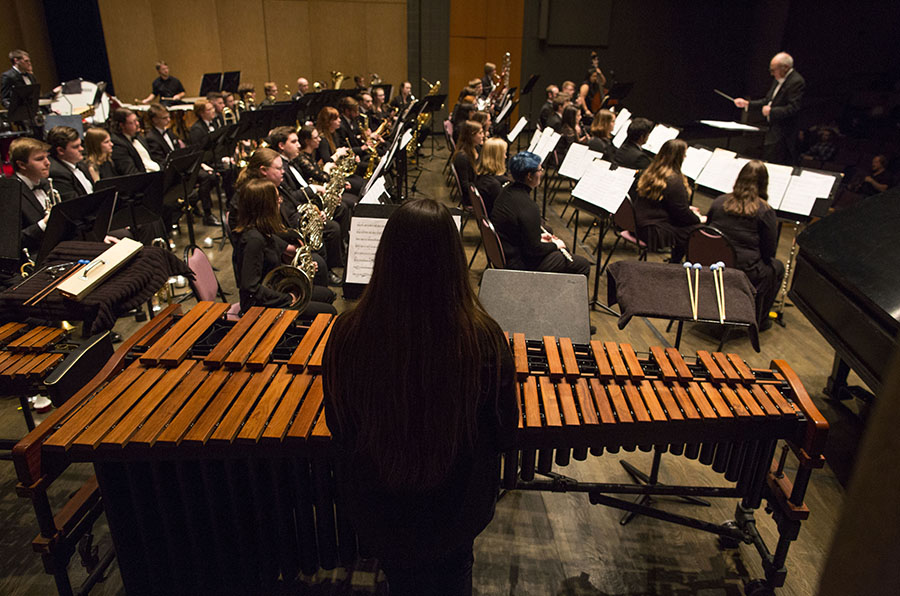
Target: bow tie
(44, 185)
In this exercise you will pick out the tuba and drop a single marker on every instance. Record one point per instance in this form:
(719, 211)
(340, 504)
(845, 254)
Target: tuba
(337, 79)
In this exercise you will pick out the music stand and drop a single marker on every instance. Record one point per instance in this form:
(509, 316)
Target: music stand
(23, 105)
(83, 218)
(10, 222)
(231, 80)
(72, 87)
(98, 94)
(284, 113)
(530, 84)
(212, 81)
(254, 125)
(183, 165)
(140, 198)
(617, 92)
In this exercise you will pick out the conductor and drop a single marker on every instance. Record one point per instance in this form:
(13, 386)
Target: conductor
(780, 107)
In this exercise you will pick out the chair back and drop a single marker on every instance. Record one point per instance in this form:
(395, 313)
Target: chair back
(492, 245)
(707, 245)
(448, 135)
(624, 216)
(204, 285)
(464, 196)
(478, 208)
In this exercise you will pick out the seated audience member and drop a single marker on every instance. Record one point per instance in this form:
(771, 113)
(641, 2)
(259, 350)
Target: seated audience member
(878, 179)
(417, 455)
(825, 148)
(662, 208)
(68, 170)
(630, 154)
(130, 152)
(748, 221)
(492, 172)
(259, 247)
(98, 148)
(601, 134)
(471, 138)
(517, 219)
(31, 164)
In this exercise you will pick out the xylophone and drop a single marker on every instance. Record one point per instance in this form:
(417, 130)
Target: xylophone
(213, 455)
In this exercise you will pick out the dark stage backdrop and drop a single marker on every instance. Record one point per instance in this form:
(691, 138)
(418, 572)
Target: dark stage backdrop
(76, 38)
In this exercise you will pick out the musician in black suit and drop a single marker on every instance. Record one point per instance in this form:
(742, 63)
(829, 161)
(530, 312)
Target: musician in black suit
(70, 174)
(487, 81)
(547, 108)
(160, 139)
(130, 152)
(781, 108)
(302, 88)
(554, 120)
(32, 166)
(348, 133)
(199, 140)
(630, 154)
(20, 74)
(165, 87)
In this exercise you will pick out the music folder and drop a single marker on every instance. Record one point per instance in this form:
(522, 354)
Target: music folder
(87, 217)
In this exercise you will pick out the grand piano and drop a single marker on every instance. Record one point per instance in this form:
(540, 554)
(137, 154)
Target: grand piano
(846, 284)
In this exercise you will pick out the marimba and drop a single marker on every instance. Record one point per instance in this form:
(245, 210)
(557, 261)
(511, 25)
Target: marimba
(214, 460)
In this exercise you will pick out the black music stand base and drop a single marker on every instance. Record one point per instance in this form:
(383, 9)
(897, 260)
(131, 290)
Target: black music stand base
(651, 480)
(598, 270)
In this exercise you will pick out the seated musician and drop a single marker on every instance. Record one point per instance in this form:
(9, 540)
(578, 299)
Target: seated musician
(463, 112)
(487, 81)
(247, 94)
(591, 87)
(568, 87)
(630, 154)
(367, 109)
(312, 172)
(217, 99)
(517, 219)
(485, 120)
(491, 170)
(601, 134)
(271, 92)
(130, 152)
(31, 164)
(379, 108)
(547, 108)
(231, 104)
(259, 247)
(554, 120)
(302, 88)
(570, 130)
(400, 101)
(160, 139)
(21, 73)
(359, 83)
(749, 223)
(418, 503)
(471, 138)
(348, 133)
(68, 170)
(662, 208)
(328, 121)
(295, 191)
(199, 140)
(476, 90)
(98, 148)
(165, 88)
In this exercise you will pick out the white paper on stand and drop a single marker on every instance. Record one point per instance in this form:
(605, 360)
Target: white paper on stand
(407, 137)
(603, 187)
(520, 125)
(503, 112)
(365, 234)
(728, 125)
(721, 170)
(779, 178)
(803, 190)
(658, 136)
(536, 138)
(619, 137)
(573, 165)
(374, 191)
(622, 120)
(548, 143)
(695, 159)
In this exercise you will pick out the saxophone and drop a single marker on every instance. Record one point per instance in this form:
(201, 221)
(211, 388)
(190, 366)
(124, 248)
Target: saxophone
(422, 121)
(343, 168)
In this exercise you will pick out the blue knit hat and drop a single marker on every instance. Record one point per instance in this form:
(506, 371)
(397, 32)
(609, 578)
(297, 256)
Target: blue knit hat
(523, 163)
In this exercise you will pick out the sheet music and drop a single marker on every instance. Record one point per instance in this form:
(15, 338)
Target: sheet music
(407, 137)
(658, 136)
(695, 160)
(365, 234)
(573, 165)
(535, 139)
(374, 190)
(503, 112)
(603, 187)
(803, 190)
(622, 119)
(727, 125)
(721, 170)
(779, 178)
(519, 127)
(619, 137)
(547, 144)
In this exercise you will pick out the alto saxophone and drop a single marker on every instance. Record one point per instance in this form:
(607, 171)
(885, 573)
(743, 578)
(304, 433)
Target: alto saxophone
(343, 168)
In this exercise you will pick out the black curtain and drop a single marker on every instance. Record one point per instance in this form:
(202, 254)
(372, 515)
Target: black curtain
(76, 37)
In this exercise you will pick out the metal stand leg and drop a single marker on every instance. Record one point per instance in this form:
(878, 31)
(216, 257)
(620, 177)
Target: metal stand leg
(651, 480)
(598, 271)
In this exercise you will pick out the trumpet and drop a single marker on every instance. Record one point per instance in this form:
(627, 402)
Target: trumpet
(52, 196)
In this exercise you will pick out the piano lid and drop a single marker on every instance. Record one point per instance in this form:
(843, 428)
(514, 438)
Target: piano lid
(860, 248)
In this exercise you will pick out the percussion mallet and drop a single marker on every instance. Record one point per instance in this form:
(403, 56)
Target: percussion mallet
(722, 283)
(687, 269)
(714, 268)
(697, 268)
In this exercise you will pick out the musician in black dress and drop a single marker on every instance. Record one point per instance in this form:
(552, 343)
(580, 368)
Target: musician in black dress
(259, 246)
(781, 108)
(630, 154)
(749, 223)
(487, 81)
(492, 176)
(98, 148)
(471, 137)
(420, 402)
(570, 132)
(70, 174)
(526, 243)
(601, 134)
(403, 98)
(463, 112)
(327, 122)
(310, 140)
(662, 208)
(165, 88)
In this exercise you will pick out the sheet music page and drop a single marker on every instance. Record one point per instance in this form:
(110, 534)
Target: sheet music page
(779, 178)
(506, 107)
(407, 137)
(574, 163)
(802, 192)
(365, 234)
(620, 136)
(536, 138)
(721, 170)
(603, 187)
(520, 125)
(622, 119)
(658, 136)
(727, 125)
(374, 190)
(694, 161)
(547, 144)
